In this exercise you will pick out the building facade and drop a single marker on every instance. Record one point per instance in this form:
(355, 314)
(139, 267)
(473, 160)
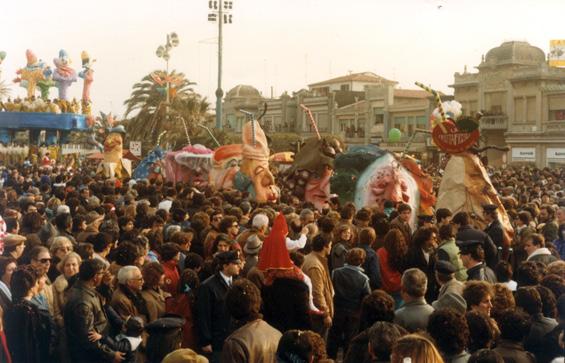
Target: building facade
(360, 108)
(523, 104)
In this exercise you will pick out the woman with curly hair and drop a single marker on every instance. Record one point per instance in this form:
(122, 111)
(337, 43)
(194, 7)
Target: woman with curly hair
(392, 259)
(482, 333)
(451, 334)
(502, 299)
(416, 347)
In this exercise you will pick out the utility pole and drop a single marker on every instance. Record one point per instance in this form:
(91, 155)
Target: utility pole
(164, 52)
(220, 11)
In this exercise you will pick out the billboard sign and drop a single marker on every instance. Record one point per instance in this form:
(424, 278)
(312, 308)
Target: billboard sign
(557, 53)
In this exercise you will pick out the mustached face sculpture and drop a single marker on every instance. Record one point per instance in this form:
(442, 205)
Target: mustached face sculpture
(255, 163)
(385, 179)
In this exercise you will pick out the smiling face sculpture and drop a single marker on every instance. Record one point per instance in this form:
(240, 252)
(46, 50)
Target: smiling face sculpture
(309, 176)
(226, 161)
(255, 164)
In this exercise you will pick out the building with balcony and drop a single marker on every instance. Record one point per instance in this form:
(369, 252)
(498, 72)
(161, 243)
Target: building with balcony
(360, 108)
(523, 103)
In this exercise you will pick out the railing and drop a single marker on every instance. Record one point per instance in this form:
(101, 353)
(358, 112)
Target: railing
(523, 128)
(554, 126)
(499, 122)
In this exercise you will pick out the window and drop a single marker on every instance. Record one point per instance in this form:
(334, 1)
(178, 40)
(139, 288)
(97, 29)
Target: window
(531, 109)
(519, 109)
(422, 122)
(557, 115)
(379, 119)
(557, 108)
(344, 87)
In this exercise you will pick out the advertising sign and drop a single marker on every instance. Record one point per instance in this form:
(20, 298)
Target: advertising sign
(135, 147)
(555, 153)
(524, 154)
(557, 53)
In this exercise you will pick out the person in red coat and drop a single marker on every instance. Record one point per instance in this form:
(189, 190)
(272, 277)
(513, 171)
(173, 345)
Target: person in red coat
(183, 305)
(170, 255)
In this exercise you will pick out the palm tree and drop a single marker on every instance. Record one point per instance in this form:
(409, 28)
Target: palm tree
(148, 107)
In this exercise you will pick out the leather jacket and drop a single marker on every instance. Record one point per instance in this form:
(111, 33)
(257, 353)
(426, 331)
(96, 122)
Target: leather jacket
(83, 314)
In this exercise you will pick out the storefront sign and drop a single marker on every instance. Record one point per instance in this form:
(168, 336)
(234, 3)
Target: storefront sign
(555, 153)
(524, 154)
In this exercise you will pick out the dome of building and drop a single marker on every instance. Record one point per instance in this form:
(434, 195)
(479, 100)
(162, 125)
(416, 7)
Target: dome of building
(243, 91)
(515, 53)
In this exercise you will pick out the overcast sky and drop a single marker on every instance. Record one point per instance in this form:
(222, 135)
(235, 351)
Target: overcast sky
(285, 44)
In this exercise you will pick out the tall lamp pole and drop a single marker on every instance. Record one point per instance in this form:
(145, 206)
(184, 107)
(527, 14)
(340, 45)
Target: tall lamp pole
(164, 52)
(220, 11)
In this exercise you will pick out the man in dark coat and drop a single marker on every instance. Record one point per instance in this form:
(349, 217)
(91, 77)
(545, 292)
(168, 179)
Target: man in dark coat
(494, 227)
(465, 232)
(213, 318)
(84, 315)
(473, 256)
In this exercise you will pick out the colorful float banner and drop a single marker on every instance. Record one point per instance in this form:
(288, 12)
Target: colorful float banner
(557, 53)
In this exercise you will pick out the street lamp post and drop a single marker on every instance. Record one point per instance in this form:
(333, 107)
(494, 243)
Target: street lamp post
(163, 51)
(220, 11)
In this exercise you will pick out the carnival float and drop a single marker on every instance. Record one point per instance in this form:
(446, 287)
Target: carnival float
(49, 122)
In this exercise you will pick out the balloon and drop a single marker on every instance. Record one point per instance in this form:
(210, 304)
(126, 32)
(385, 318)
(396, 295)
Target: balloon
(394, 135)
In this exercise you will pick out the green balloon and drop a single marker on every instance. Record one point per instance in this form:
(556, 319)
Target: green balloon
(394, 135)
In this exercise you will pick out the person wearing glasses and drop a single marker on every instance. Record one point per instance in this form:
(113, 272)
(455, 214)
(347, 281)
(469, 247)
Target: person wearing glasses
(60, 247)
(127, 299)
(41, 261)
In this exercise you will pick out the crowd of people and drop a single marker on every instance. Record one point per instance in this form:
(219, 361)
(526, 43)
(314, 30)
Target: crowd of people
(96, 270)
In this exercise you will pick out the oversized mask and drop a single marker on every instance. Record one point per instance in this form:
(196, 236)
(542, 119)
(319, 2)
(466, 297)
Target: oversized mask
(255, 163)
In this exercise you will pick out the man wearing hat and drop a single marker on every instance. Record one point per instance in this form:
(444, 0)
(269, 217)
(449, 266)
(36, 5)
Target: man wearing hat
(473, 256)
(465, 232)
(14, 245)
(494, 227)
(251, 250)
(213, 318)
(445, 277)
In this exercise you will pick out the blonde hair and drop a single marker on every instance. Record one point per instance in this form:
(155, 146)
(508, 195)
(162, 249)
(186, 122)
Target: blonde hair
(70, 255)
(416, 347)
(59, 242)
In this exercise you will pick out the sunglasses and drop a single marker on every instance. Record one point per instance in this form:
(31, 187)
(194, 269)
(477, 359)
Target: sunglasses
(45, 260)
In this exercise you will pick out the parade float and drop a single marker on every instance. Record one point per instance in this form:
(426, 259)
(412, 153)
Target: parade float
(37, 113)
(308, 178)
(49, 122)
(369, 176)
(225, 166)
(254, 175)
(465, 184)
